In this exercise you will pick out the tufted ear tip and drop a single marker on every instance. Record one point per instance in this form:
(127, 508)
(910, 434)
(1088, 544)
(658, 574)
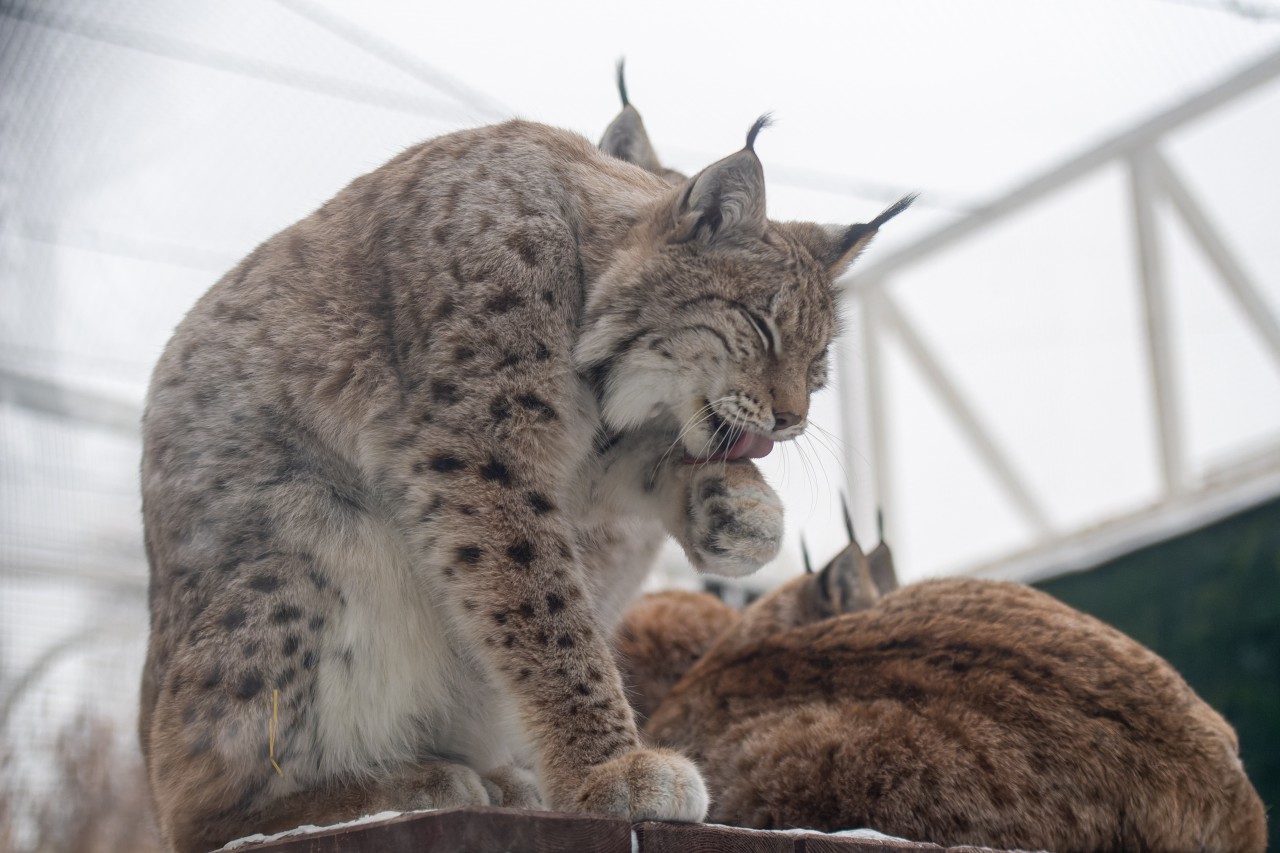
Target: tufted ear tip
(761, 123)
(622, 81)
(894, 209)
(846, 246)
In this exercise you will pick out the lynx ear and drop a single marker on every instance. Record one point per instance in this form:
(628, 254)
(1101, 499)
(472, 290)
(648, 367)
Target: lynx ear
(880, 562)
(843, 244)
(626, 138)
(725, 201)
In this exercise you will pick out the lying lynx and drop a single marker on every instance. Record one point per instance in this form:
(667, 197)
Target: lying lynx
(404, 466)
(961, 712)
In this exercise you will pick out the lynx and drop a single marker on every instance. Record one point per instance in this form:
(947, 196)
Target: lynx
(404, 466)
(959, 712)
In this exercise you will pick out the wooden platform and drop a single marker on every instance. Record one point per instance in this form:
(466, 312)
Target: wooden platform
(490, 830)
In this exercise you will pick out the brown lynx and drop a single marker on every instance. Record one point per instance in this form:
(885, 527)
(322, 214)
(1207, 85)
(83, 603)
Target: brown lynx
(960, 712)
(405, 464)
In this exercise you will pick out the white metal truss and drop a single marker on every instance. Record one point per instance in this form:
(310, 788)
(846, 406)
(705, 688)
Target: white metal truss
(1182, 501)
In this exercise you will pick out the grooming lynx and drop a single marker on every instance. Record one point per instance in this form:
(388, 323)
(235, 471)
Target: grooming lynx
(960, 712)
(404, 466)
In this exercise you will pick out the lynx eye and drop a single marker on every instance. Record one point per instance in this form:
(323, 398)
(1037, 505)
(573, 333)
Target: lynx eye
(762, 329)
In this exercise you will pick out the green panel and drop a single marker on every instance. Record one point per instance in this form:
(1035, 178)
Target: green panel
(1209, 603)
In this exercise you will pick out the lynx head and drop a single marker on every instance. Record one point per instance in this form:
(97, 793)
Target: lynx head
(714, 320)
(852, 581)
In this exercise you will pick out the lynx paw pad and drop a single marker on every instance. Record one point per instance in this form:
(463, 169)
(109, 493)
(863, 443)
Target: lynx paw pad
(735, 521)
(645, 785)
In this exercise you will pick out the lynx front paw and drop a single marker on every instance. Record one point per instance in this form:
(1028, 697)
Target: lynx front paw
(734, 523)
(645, 785)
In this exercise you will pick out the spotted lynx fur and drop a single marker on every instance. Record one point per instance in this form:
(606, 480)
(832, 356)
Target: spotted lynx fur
(404, 466)
(959, 712)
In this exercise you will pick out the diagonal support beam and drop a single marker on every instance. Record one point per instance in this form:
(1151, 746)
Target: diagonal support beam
(1257, 313)
(979, 437)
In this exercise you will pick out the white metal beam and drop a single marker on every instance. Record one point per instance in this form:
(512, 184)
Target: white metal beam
(1255, 310)
(965, 417)
(1140, 136)
(1164, 387)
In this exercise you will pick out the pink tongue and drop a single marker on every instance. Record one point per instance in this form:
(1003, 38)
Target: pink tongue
(749, 445)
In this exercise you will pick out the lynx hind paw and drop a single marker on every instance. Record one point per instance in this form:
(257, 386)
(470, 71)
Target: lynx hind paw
(735, 520)
(442, 785)
(645, 785)
(513, 788)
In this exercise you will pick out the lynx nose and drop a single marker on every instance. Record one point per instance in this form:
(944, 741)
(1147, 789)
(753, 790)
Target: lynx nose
(785, 420)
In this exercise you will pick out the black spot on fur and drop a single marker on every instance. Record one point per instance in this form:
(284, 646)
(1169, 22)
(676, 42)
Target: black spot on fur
(542, 353)
(500, 409)
(565, 641)
(201, 744)
(714, 489)
(522, 552)
(265, 583)
(234, 619)
(548, 297)
(249, 686)
(447, 464)
(524, 673)
(554, 603)
(582, 689)
(496, 471)
(470, 554)
(290, 645)
(524, 246)
(463, 354)
(527, 610)
(318, 580)
(539, 503)
(286, 613)
(316, 623)
(310, 659)
(500, 617)
(444, 392)
(510, 360)
(503, 302)
(534, 403)
(212, 678)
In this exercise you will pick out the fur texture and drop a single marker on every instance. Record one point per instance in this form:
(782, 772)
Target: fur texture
(960, 712)
(404, 466)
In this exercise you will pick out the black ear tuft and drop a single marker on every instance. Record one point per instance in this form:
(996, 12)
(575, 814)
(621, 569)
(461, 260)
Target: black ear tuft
(848, 519)
(761, 123)
(893, 210)
(622, 81)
